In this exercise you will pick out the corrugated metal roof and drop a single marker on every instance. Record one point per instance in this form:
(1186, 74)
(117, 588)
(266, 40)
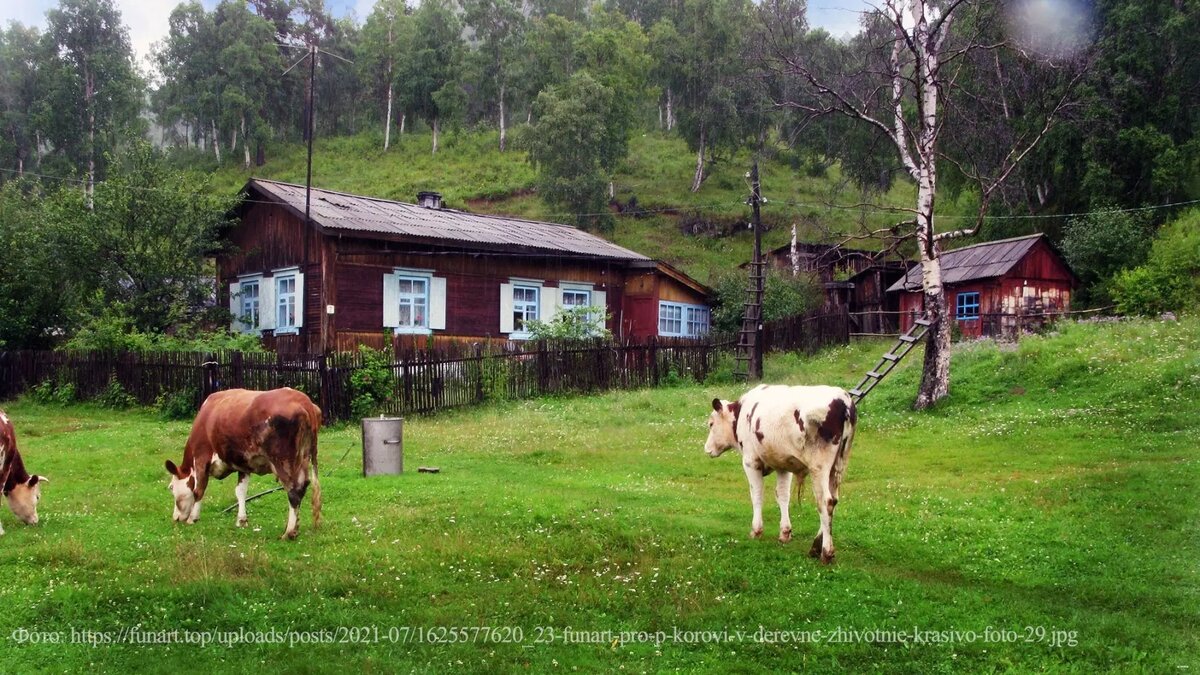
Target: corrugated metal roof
(369, 215)
(979, 261)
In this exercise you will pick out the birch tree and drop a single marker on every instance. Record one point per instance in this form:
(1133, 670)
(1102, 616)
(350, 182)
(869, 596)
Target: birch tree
(902, 80)
(385, 36)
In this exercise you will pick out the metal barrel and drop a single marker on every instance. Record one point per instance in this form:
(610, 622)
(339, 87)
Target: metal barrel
(383, 446)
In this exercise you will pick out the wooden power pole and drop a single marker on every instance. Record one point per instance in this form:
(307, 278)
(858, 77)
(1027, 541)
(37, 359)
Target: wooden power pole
(748, 362)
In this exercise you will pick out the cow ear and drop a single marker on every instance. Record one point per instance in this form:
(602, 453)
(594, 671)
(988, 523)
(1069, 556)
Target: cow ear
(718, 405)
(171, 469)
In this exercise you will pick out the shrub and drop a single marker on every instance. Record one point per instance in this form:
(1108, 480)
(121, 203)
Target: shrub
(371, 384)
(115, 396)
(115, 333)
(61, 393)
(1170, 279)
(783, 296)
(572, 324)
(177, 405)
(1100, 245)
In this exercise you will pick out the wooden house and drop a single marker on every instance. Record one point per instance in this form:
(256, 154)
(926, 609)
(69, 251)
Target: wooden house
(378, 272)
(997, 287)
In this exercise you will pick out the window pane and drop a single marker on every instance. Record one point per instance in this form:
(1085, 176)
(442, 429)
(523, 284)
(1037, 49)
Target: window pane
(405, 314)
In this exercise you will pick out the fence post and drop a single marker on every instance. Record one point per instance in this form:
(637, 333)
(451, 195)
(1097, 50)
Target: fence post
(323, 394)
(654, 360)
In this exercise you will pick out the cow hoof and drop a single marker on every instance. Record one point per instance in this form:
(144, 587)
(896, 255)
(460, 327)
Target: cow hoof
(785, 536)
(288, 536)
(816, 547)
(826, 558)
(755, 534)
(242, 522)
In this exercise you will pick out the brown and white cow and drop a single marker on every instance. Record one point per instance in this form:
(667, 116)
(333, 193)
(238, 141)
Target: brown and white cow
(795, 431)
(22, 490)
(249, 432)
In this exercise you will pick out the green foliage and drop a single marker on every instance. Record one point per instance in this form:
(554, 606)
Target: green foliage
(572, 324)
(1169, 281)
(113, 331)
(177, 405)
(114, 395)
(372, 384)
(58, 393)
(783, 296)
(1099, 245)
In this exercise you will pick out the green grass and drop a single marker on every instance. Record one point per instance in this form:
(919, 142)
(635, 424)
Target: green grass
(472, 174)
(1055, 490)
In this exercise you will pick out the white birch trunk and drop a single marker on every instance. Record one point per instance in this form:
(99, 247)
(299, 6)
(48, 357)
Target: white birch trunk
(245, 145)
(403, 120)
(387, 119)
(795, 254)
(216, 141)
(698, 178)
(435, 135)
(89, 95)
(503, 131)
(670, 111)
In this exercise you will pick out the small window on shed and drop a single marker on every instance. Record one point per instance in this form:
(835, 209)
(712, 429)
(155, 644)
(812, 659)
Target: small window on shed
(967, 306)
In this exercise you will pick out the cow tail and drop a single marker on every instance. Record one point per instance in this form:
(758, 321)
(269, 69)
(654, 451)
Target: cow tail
(306, 445)
(843, 455)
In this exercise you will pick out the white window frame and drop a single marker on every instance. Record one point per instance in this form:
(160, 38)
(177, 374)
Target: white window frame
(237, 302)
(435, 301)
(705, 322)
(597, 300)
(413, 328)
(519, 333)
(683, 309)
(278, 277)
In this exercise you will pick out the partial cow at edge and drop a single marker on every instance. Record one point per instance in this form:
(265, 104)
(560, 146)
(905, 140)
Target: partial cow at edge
(795, 431)
(249, 432)
(22, 490)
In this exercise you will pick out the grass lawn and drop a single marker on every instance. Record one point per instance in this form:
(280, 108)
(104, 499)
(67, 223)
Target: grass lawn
(1052, 499)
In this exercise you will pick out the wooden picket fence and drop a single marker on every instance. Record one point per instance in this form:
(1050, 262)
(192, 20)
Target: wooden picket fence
(426, 380)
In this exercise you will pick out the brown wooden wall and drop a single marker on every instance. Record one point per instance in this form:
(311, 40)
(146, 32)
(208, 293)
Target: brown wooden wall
(347, 273)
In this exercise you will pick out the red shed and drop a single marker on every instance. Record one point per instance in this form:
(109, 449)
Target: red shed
(993, 288)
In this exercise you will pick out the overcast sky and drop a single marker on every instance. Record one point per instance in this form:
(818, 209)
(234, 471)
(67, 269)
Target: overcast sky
(147, 19)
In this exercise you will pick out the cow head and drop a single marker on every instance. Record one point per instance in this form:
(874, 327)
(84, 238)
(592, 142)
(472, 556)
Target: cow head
(23, 499)
(722, 424)
(182, 486)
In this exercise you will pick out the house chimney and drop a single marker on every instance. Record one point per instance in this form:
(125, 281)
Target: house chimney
(429, 200)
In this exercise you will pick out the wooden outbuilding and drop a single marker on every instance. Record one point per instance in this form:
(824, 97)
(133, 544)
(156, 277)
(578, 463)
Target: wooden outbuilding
(995, 288)
(379, 272)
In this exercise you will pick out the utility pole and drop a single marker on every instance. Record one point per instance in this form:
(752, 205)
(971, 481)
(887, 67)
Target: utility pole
(748, 361)
(758, 269)
(308, 128)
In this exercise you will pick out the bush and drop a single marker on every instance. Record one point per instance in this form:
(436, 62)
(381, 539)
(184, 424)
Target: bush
(115, 396)
(572, 324)
(1100, 245)
(115, 333)
(61, 393)
(783, 296)
(372, 384)
(1170, 279)
(177, 405)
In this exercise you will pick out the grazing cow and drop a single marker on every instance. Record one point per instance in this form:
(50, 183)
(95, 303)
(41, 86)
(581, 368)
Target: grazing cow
(22, 490)
(250, 432)
(792, 430)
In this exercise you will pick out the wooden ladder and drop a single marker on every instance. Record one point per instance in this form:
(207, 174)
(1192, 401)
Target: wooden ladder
(888, 361)
(751, 318)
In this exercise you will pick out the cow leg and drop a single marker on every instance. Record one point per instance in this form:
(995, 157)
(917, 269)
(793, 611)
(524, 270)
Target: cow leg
(783, 496)
(242, 489)
(295, 496)
(755, 476)
(201, 477)
(1, 529)
(195, 514)
(823, 544)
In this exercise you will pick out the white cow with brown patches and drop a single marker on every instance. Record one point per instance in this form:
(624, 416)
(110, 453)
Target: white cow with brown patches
(794, 431)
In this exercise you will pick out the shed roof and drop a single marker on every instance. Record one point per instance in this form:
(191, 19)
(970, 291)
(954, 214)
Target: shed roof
(978, 261)
(372, 217)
